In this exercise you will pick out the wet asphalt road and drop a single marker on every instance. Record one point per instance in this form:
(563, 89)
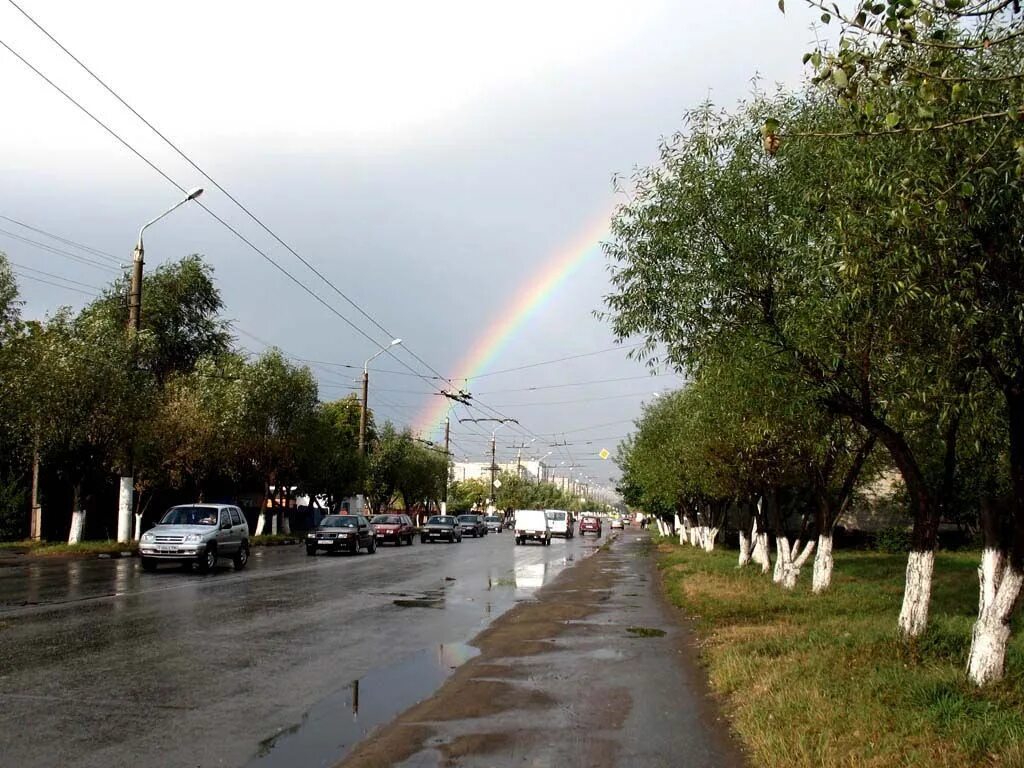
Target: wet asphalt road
(104, 665)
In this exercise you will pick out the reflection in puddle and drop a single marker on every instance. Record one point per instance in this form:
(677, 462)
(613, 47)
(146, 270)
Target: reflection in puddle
(337, 723)
(431, 599)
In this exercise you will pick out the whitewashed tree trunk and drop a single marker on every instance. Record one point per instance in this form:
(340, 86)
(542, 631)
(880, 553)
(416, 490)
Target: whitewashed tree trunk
(744, 548)
(999, 587)
(762, 554)
(821, 579)
(797, 556)
(286, 524)
(709, 539)
(781, 557)
(917, 593)
(77, 526)
(261, 522)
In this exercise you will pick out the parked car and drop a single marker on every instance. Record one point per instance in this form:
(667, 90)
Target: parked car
(473, 525)
(617, 524)
(337, 533)
(590, 524)
(396, 528)
(441, 527)
(494, 523)
(197, 534)
(560, 522)
(532, 525)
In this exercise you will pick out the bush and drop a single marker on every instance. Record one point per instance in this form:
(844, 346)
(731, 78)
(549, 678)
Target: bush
(893, 540)
(13, 513)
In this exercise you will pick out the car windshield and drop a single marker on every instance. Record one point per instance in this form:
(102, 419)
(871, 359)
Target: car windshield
(341, 521)
(387, 520)
(441, 520)
(467, 518)
(492, 519)
(190, 516)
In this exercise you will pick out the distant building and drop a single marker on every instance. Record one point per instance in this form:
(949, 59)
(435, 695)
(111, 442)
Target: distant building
(531, 470)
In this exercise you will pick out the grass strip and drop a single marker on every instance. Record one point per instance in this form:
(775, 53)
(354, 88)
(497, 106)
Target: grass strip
(824, 680)
(50, 548)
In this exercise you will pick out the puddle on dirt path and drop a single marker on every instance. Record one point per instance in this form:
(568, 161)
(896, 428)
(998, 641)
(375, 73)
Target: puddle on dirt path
(337, 723)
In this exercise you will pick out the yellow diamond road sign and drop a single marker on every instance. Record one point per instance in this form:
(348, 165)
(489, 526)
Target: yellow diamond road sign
(604, 453)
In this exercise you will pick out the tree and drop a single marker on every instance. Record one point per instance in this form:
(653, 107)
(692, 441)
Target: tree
(388, 454)
(276, 407)
(724, 243)
(329, 460)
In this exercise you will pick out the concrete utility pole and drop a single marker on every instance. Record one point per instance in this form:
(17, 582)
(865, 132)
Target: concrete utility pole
(126, 495)
(447, 465)
(366, 389)
(36, 521)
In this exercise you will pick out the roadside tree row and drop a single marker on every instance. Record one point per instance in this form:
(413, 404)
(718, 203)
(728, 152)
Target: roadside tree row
(839, 269)
(195, 418)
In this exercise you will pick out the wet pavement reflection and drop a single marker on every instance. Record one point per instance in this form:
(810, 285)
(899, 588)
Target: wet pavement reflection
(335, 724)
(256, 665)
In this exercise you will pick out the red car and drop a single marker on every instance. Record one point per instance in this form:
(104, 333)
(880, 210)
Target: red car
(590, 524)
(396, 528)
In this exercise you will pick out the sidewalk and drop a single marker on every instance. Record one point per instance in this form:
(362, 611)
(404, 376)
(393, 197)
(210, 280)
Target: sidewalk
(562, 681)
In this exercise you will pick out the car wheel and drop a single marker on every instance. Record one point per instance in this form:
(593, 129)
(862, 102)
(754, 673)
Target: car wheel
(208, 559)
(311, 551)
(148, 564)
(241, 557)
(424, 540)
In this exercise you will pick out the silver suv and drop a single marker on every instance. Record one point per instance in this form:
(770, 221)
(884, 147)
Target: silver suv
(197, 533)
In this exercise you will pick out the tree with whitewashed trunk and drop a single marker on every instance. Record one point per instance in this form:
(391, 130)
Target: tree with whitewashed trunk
(798, 257)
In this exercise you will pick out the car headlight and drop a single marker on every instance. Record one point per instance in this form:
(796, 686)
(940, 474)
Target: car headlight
(192, 538)
(148, 537)
(311, 535)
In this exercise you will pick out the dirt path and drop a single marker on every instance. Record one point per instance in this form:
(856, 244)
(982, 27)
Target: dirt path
(595, 672)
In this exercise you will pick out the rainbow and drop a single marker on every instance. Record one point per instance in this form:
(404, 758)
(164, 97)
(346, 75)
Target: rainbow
(531, 296)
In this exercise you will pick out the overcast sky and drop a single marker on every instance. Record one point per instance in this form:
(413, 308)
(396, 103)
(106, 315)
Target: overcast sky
(429, 158)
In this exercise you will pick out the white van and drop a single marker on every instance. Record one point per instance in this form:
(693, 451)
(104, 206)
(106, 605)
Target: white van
(532, 524)
(560, 523)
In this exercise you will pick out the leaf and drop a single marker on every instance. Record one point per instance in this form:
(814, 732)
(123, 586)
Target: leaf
(967, 189)
(839, 77)
(826, 18)
(770, 127)
(782, 5)
(892, 120)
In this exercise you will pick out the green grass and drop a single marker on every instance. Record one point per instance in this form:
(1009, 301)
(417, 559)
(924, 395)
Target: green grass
(824, 680)
(47, 548)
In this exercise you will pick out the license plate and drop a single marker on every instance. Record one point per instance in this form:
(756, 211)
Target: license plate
(166, 549)
(325, 541)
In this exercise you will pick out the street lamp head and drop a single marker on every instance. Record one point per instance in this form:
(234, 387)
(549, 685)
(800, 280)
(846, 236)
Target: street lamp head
(194, 194)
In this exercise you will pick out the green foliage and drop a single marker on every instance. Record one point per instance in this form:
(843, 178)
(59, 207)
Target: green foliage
(893, 540)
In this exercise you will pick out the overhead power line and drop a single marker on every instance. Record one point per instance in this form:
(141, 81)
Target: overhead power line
(93, 288)
(557, 360)
(87, 248)
(58, 251)
(225, 224)
(577, 384)
(51, 282)
(224, 191)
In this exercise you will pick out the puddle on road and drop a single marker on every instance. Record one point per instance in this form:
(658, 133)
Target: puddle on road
(330, 730)
(431, 599)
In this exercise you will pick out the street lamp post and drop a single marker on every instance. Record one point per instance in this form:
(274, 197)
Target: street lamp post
(494, 466)
(366, 389)
(126, 495)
